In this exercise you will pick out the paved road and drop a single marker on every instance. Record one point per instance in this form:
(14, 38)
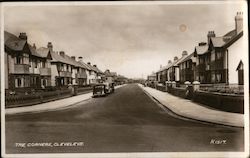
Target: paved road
(126, 121)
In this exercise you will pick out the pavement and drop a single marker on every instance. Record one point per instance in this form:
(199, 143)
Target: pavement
(53, 105)
(189, 109)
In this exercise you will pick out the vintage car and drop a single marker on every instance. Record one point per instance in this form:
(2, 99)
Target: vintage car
(109, 87)
(99, 90)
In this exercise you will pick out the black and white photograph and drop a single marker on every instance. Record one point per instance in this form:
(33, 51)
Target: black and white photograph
(125, 79)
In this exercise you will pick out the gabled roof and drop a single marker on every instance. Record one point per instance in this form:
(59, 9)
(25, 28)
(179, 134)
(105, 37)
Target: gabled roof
(34, 52)
(239, 66)
(201, 49)
(97, 69)
(226, 40)
(13, 42)
(218, 41)
(187, 57)
(84, 65)
(16, 44)
(179, 60)
(110, 74)
(43, 51)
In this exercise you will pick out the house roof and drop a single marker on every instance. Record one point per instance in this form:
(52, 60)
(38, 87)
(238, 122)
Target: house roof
(17, 44)
(84, 65)
(179, 60)
(13, 42)
(226, 40)
(218, 41)
(43, 51)
(201, 49)
(231, 33)
(34, 52)
(110, 74)
(153, 75)
(239, 66)
(188, 57)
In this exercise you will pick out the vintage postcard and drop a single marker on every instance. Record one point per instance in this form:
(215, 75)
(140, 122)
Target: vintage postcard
(125, 79)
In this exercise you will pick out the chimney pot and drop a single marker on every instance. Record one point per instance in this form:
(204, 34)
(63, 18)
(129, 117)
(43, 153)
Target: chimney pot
(184, 53)
(89, 63)
(169, 61)
(50, 46)
(23, 36)
(94, 65)
(80, 58)
(62, 53)
(34, 45)
(239, 22)
(73, 57)
(175, 58)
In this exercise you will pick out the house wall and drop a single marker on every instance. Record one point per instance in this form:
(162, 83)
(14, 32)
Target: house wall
(54, 73)
(6, 70)
(74, 72)
(177, 74)
(235, 54)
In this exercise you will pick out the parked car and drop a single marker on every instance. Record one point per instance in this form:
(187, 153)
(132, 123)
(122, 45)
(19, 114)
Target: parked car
(110, 87)
(99, 90)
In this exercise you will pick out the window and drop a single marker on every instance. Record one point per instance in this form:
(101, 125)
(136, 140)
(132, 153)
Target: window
(35, 64)
(212, 56)
(187, 65)
(218, 77)
(201, 60)
(19, 60)
(43, 64)
(219, 55)
(18, 82)
(213, 77)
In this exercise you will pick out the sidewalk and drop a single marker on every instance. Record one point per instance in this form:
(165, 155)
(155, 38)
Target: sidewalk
(189, 109)
(53, 105)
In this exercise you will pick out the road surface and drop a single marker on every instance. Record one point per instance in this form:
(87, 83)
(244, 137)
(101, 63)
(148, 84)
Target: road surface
(125, 121)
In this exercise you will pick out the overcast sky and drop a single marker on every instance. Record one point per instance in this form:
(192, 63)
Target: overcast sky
(132, 40)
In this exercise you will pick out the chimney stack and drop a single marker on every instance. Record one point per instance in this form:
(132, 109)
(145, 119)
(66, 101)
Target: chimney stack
(23, 36)
(89, 63)
(202, 43)
(94, 65)
(210, 34)
(62, 53)
(239, 22)
(50, 46)
(175, 58)
(169, 62)
(184, 53)
(34, 45)
(73, 57)
(80, 58)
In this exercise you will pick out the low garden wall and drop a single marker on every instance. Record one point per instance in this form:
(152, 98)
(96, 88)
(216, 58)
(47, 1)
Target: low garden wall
(25, 99)
(230, 102)
(225, 102)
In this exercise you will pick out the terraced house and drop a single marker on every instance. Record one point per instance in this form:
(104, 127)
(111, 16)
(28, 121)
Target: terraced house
(23, 65)
(65, 70)
(187, 68)
(27, 67)
(217, 61)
